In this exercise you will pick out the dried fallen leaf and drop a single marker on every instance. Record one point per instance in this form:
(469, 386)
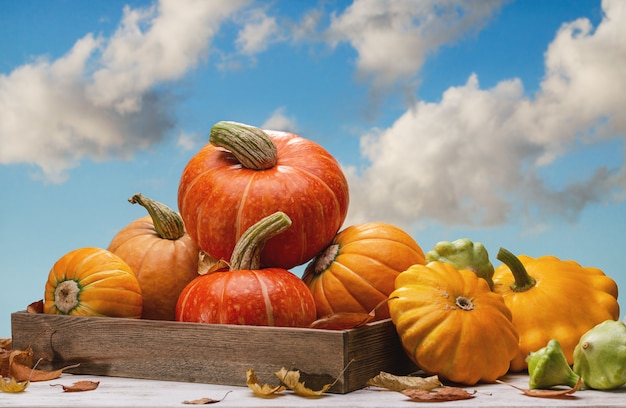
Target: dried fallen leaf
(207, 264)
(6, 344)
(346, 320)
(291, 379)
(22, 372)
(79, 386)
(205, 401)
(35, 307)
(263, 390)
(539, 393)
(342, 321)
(13, 386)
(400, 383)
(442, 394)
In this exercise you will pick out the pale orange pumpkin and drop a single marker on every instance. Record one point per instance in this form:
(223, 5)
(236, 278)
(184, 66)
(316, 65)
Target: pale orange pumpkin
(357, 270)
(92, 282)
(162, 255)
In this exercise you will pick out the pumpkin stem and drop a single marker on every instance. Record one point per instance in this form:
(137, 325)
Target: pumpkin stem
(322, 261)
(247, 252)
(66, 296)
(168, 224)
(523, 281)
(250, 145)
(464, 303)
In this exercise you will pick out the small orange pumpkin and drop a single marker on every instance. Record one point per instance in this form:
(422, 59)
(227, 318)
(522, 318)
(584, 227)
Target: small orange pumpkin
(357, 271)
(92, 282)
(162, 255)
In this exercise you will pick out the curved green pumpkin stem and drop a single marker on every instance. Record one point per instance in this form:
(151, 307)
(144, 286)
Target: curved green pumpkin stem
(250, 145)
(247, 252)
(523, 281)
(168, 224)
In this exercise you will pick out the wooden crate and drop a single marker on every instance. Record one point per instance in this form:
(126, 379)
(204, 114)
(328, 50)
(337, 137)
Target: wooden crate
(212, 354)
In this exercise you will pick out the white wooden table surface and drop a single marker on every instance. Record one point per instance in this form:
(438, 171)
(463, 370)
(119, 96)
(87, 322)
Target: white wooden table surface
(126, 392)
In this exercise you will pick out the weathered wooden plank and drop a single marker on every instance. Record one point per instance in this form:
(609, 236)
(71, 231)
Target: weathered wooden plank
(216, 354)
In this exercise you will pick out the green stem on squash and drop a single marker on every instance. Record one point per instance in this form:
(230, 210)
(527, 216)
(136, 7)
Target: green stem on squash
(523, 281)
(247, 252)
(168, 224)
(250, 145)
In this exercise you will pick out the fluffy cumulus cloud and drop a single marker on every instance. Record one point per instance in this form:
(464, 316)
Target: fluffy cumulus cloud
(99, 100)
(479, 155)
(393, 38)
(279, 120)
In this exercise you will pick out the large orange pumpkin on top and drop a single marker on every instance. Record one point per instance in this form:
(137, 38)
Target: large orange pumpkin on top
(357, 271)
(244, 174)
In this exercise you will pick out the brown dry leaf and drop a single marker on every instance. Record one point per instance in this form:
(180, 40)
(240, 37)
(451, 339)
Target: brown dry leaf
(291, 379)
(539, 393)
(208, 264)
(342, 321)
(22, 372)
(6, 344)
(442, 394)
(4, 362)
(205, 401)
(10, 385)
(400, 383)
(346, 320)
(79, 386)
(263, 390)
(35, 307)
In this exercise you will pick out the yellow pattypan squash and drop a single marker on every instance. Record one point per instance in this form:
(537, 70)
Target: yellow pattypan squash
(550, 299)
(451, 324)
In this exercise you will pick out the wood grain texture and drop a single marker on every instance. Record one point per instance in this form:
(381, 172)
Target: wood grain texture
(212, 354)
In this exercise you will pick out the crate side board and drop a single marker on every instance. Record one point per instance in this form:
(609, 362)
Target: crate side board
(213, 354)
(190, 352)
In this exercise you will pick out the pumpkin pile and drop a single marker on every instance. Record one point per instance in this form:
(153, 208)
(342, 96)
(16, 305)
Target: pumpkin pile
(255, 203)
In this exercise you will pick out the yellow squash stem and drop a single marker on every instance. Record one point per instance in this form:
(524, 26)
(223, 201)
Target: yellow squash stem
(250, 145)
(168, 224)
(523, 281)
(247, 251)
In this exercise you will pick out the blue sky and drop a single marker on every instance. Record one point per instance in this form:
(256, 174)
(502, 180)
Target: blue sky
(497, 121)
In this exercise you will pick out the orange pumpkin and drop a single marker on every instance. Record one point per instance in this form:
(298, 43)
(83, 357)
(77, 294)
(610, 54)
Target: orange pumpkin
(92, 282)
(244, 174)
(162, 255)
(357, 271)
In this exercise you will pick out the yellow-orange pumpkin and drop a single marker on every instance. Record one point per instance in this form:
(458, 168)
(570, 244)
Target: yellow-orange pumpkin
(162, 255)
(451, 324)
(551, 298)
(92, 282)
(357, 270)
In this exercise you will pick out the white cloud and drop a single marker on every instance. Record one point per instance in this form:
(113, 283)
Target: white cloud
(258, 32)
(155, 45)
(480, 155)
(188, 141)
(280, 121)
(56, 113)
(393, 38)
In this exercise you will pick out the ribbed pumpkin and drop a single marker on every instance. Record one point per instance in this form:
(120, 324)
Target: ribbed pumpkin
(247, 294)
(551, 298)
(92, 282)
(162, 255)
(451, 324)
(357, 270)
(244, 174)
